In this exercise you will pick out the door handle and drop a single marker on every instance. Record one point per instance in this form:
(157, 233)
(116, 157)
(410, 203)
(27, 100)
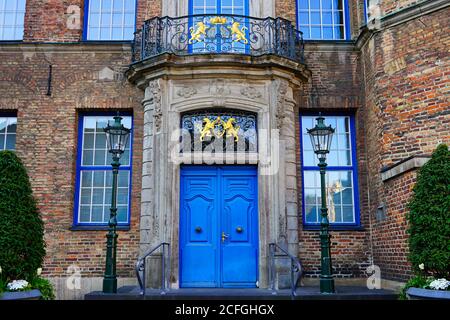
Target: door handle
(224, 236)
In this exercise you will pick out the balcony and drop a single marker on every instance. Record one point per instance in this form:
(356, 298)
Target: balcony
(218, 34)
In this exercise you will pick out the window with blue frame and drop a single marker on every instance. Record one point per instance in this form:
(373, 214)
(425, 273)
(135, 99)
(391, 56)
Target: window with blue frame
(323, 19)
(12, 15)
(341, 176)
(8, 125)
(94, 174)
(110, 20)
(225, 7)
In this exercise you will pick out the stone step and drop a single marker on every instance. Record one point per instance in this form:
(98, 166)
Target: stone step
(302, 293)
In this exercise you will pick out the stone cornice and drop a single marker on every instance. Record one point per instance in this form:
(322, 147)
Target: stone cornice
(403, 166)
(399, 17)
(217, 66)
(329, 46)
(65, 47)
(413, 12)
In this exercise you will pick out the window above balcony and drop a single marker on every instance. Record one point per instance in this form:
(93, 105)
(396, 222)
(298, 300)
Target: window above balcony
(323, 19)
(109, 20)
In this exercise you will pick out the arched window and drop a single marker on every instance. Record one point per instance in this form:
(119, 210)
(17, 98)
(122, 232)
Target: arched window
(323, 19)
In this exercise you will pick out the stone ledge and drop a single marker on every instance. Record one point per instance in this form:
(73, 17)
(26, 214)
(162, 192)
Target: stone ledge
(403, 166)
(216, 66)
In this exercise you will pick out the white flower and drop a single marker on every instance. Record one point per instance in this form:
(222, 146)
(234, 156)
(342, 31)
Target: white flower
(440, 284)
(17, 285)
(0, 269)
(39, 271)
(421, 266)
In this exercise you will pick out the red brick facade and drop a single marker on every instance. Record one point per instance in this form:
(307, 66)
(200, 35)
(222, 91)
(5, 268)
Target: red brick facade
(394, 79)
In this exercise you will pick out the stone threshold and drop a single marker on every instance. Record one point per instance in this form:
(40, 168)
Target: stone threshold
(302, 293)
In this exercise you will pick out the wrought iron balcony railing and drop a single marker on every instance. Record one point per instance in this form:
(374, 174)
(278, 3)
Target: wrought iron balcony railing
(218, 34)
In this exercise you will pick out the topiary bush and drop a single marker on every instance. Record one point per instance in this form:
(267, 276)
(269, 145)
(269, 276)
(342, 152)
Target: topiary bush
(429, 217)
(22, 247)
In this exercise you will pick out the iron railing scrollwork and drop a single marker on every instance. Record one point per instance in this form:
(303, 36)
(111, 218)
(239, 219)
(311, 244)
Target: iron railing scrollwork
(217, 34)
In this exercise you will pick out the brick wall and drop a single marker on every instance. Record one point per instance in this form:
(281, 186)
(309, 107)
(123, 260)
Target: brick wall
(406, 78)
(335, 86)
(47, 138)
(62, 20)
(390, 240)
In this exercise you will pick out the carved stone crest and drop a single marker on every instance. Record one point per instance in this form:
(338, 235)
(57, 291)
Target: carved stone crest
(251, 92)
(187, 92)
(155, 94)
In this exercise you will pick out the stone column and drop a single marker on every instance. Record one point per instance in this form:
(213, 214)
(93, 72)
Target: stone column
(287, 217)
(150, 226)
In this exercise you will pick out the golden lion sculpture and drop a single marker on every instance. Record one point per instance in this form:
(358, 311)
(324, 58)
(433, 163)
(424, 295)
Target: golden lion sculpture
(231, 130)
(197, 34)
(238, 33)
(207, 128)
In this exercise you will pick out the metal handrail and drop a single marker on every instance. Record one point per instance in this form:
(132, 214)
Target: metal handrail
(296, 267)
(141, 268)
(218, 34)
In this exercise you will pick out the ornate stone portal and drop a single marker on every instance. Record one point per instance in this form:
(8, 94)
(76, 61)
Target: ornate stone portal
(170, 92)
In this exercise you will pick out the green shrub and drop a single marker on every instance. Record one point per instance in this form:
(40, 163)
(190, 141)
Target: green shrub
(21, 228)
(429, 217)
(44, 286)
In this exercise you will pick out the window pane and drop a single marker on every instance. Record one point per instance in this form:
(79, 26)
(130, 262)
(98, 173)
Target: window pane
(8, 128)
(97, 214)
(315, 18)
(315, 4)
(303, 17)
(88, 158)
(339, 183)
(310, 196)
(122, 214)
(315, 33)
(86, 178)
(327, 18)
(115, 20)
(97, 196)
(326, 4)
(10, 142)
(100, 157)
(85, 196)
(325, 13)
(311, 214)
(95, 185)
(118, 5)
(303, 4)
(85, 214)
(99, 177)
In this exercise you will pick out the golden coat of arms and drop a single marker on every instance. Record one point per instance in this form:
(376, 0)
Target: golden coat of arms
(202, 30)
(219, 128)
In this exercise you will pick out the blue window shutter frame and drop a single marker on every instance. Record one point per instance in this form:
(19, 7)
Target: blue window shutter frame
(354, 168)
(79, 168)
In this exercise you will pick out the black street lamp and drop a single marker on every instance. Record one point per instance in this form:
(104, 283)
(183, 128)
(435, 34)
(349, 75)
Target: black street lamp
(321, 136)
(117, 138)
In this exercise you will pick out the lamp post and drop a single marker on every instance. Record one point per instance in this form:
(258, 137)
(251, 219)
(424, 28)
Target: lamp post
(117, 138)
(321, 136)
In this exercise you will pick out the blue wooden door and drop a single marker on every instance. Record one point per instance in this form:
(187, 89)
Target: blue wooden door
(218, 226)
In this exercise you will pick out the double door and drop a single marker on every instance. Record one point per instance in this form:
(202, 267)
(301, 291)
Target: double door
(218, 226)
